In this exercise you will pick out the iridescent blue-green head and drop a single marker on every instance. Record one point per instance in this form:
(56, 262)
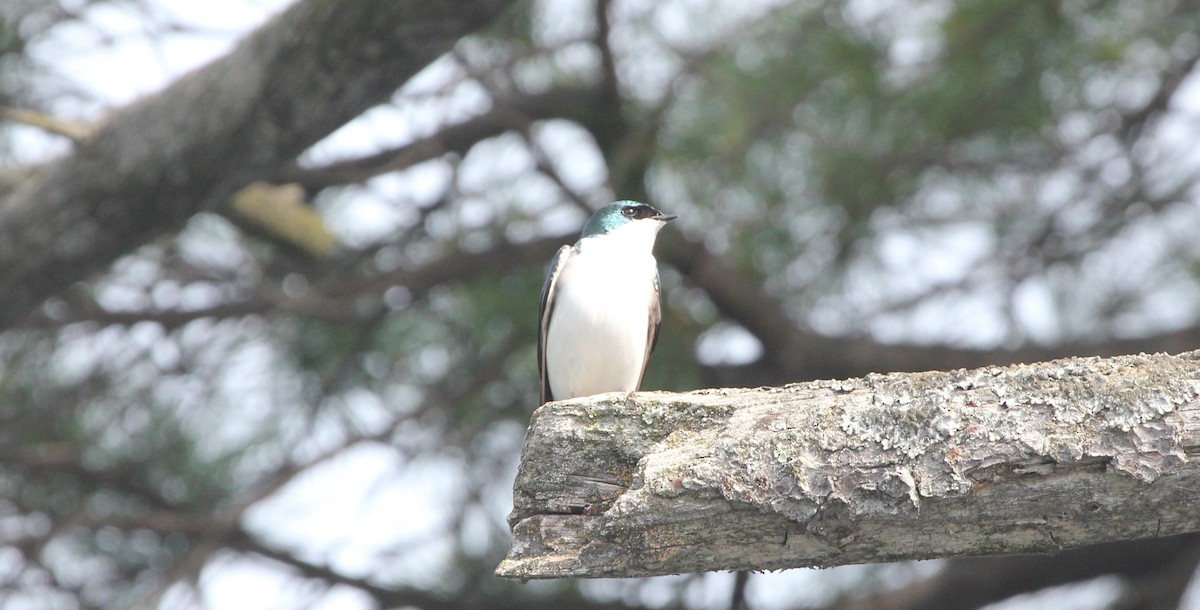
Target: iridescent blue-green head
(622, 213)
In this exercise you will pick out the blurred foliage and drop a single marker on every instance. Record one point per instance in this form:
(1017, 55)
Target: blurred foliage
(975, 173)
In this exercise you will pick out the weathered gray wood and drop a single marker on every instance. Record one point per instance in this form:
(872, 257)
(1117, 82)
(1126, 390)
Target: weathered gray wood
(998, 460)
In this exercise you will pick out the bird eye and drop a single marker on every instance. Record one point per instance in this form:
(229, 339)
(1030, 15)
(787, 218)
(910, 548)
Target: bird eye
(629, 211)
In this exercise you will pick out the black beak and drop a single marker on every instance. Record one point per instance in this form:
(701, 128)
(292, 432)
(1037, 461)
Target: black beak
(664, 217)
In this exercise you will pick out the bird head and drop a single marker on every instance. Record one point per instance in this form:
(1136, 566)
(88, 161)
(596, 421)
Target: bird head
(623, 213)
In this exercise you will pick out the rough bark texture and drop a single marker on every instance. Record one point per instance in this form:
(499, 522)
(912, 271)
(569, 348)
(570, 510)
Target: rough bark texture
(998, 460)
(159, 161)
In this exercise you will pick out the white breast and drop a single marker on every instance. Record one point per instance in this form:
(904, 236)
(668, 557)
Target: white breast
(597, 337)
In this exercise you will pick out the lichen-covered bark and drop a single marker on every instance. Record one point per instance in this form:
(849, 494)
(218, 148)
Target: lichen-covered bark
(190, 147)
(998, 460)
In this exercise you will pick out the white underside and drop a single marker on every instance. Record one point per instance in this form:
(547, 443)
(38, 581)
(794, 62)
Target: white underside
(597, 337)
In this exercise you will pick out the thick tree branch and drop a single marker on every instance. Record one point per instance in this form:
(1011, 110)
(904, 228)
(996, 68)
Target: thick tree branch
(238, 119)
(1021, 459)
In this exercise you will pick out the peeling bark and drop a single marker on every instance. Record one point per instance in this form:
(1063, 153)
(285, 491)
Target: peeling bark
(998, 460)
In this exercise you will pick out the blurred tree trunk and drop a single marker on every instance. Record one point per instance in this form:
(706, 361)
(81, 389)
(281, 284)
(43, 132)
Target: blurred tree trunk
(994, 461)
(190, 147)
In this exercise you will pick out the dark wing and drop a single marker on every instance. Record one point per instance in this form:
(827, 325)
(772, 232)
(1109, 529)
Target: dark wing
(655, 323)
(545, 310)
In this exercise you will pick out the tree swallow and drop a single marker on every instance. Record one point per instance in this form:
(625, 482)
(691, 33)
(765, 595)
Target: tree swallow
(600, 309)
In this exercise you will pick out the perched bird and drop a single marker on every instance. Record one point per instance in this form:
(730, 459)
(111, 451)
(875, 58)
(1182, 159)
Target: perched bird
(600, 310)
